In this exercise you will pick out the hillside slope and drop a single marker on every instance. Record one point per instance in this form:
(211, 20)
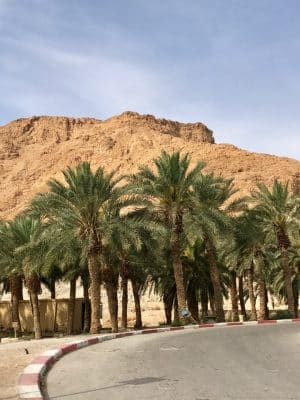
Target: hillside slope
(32, 150)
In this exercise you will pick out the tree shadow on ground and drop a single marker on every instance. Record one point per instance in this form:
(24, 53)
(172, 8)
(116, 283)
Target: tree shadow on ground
(131, 382)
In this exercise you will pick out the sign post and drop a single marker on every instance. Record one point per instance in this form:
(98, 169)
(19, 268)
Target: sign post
(15, 326)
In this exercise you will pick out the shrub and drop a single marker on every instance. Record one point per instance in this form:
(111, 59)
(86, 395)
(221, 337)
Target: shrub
(283, 314)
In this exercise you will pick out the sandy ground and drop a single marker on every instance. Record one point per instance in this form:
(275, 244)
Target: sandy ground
(13, 359)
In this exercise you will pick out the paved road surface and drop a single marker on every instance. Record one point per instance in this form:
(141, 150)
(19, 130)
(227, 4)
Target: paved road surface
(236, 363)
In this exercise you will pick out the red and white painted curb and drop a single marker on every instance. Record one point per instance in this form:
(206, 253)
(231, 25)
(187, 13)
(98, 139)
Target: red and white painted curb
(29, 386)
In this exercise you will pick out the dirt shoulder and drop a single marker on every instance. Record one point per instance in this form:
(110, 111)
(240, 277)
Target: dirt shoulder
(13, 359)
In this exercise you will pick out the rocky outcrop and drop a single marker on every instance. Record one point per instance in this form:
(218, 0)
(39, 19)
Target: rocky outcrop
(296, 183)
(32, 150)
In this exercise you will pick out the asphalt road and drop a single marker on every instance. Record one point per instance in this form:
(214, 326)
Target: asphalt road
(236, 363)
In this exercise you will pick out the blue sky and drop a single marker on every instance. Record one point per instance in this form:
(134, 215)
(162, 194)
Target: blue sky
(232, 64)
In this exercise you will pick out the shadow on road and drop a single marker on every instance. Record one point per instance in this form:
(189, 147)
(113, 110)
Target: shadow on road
(131, 382)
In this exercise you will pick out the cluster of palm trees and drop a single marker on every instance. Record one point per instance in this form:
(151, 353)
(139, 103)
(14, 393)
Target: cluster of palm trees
(183, 232)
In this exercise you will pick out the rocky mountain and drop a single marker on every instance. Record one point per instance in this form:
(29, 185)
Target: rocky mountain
(32, 150)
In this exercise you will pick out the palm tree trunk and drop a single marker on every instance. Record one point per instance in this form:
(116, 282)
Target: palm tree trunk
(94, 273)
(124, 302)
(296, 285)
(52, 289)
(267, 314)
(176, 310)
(283, 244)
(234, 297)
(55, 317)
(168, 310)
(137, 304)
(204, 303)
(215, 278)
(192, 301)
(168, 299)
(20, 289)
(124, 286)
(36, 315)
(262, 294)
(34, 287)
(178, 267)
(251, 294)
(241, 297)
(71, 306)
(112, 297)
(212, 302)
(16, 286)
(87, 307)
(110, 279)
(178, 274)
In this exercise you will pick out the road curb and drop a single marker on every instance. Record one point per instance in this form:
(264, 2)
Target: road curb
(29, 386)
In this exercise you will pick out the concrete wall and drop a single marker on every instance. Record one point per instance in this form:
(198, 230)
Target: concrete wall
(48, 309)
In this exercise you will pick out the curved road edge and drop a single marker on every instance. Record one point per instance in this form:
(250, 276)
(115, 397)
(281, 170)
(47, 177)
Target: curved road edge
(30, 381)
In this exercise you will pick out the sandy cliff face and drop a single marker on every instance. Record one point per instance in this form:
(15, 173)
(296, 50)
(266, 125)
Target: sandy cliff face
(32, 150)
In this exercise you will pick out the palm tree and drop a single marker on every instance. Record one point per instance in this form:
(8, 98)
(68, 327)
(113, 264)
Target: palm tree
(64, 258)
(80, 204)
(18, 238)
(210, 221)
(279, 214)
(251, 251)
(124, 232)
(161, 275)
(13, 277)
(296, 285)
(197, 277)
(146, 265)
(275, 276)
(167, 192)
(295, 263)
